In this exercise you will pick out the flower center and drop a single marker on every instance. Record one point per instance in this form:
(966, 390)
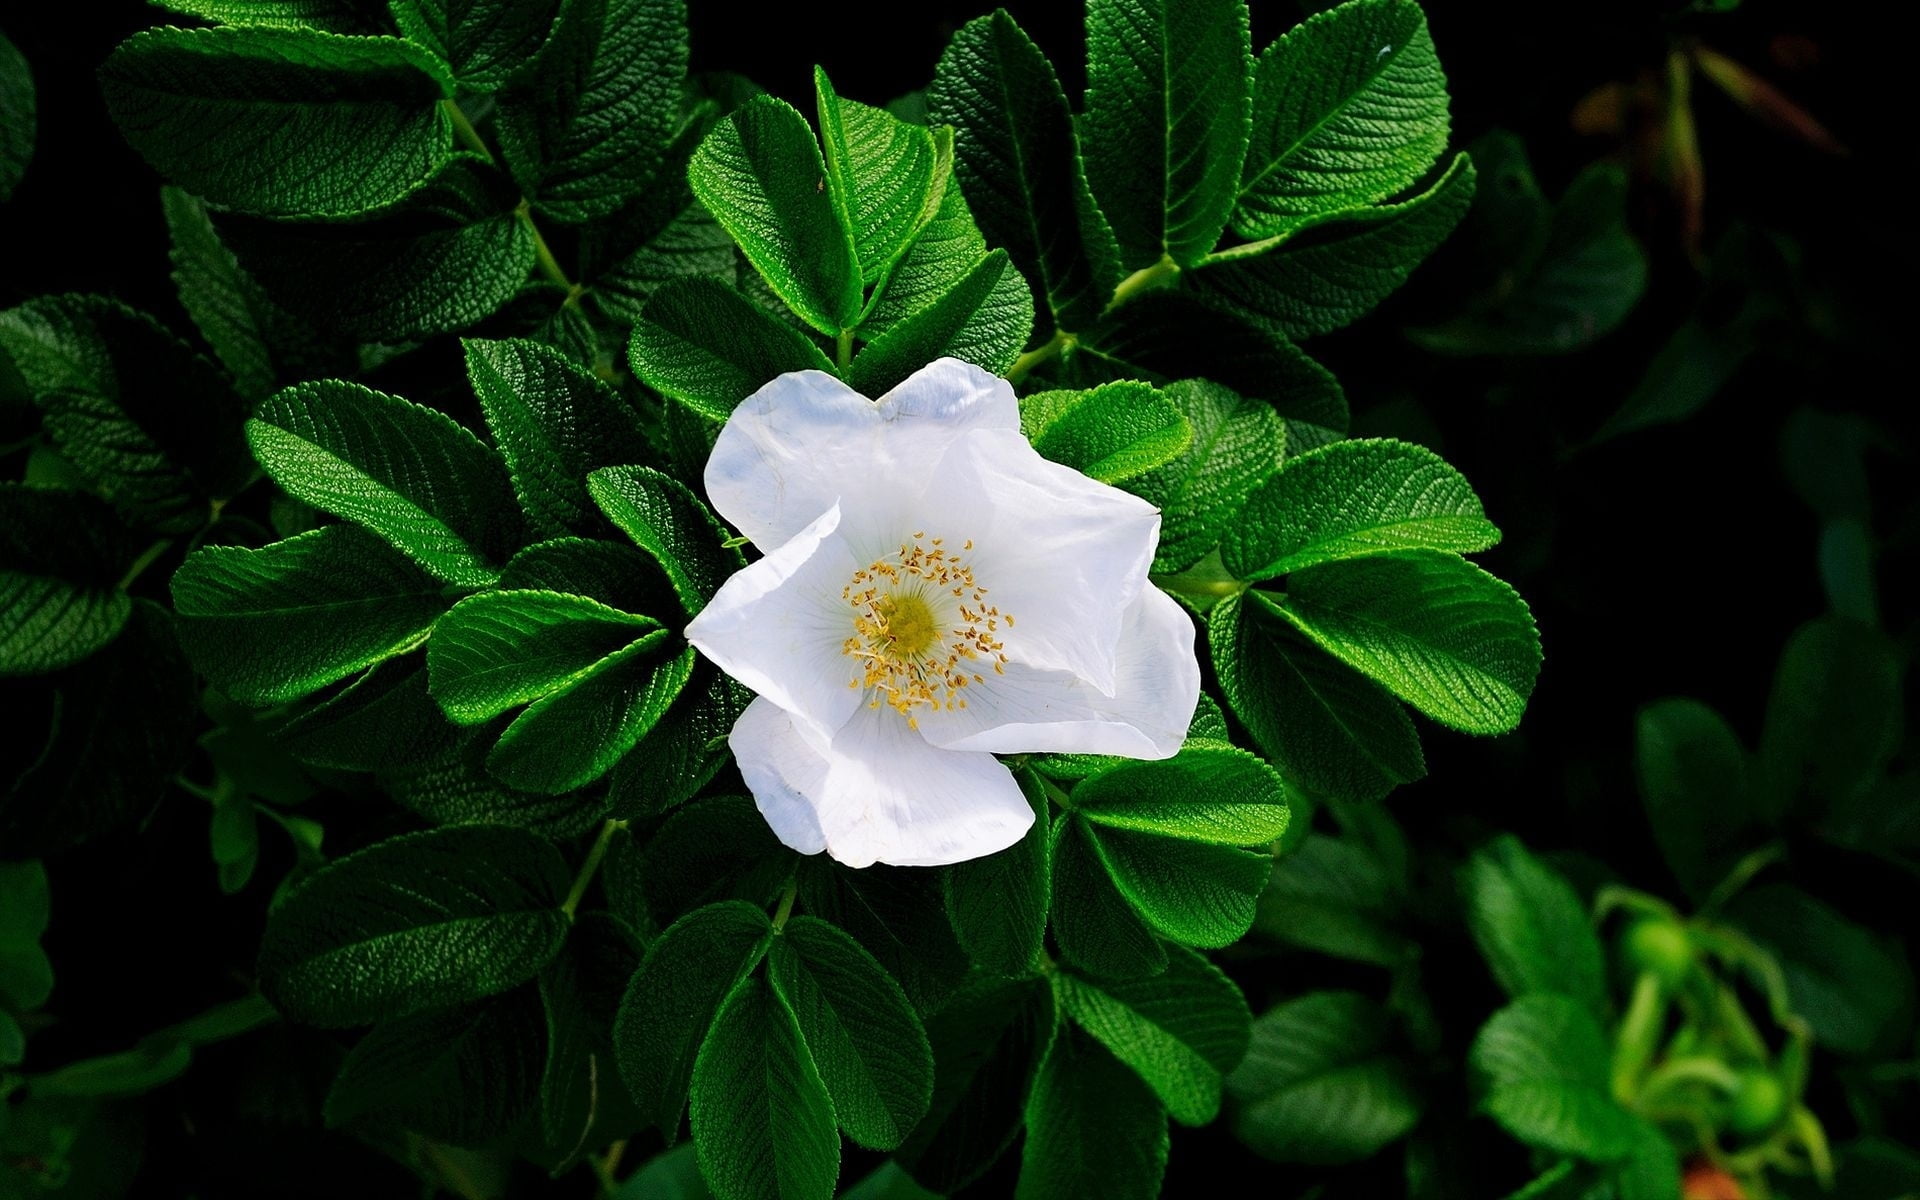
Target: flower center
(921, 622)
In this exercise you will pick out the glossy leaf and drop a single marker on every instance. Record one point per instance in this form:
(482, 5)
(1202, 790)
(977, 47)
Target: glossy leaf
(1531, 926)
(985, 319)
(1237, 445)
(671, 524)
(1110, 433)
(709, 347)
(1093, 1128)
(1220, 796)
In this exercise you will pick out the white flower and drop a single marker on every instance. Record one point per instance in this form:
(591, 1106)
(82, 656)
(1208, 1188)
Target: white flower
(933, 593)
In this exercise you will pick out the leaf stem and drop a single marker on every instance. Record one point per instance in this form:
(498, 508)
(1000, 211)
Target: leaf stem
(1058, 344)
(465, 133)
(787, 898)
(1146, 278)
(604, 1168)
(843, 349)
(587, 868)
(147, 558)
(543, 253)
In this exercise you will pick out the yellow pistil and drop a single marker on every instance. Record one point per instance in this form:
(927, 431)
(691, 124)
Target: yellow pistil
(921, 621)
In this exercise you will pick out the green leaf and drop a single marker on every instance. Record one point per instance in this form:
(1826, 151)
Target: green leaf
(1350, 499)
(685, 748)
(455, 787)
(499, 650)
(861, 1033)
(985, 319)
(689, 242)
(1181, 1030)
(1224, 797)
(709, 347)
(418, 921)
(1319, 281)
(482, 42)
(1016, 156)
(147, 423)
(1319, 1084)
(761, 176)
(898, 915)
(1531, 926)
(16, 117)
(762, 1119)
(1335, 896)
(1110, 433)
(1442, 634)
(1168, 90)
(1853, 987)
(1835, 714)
(554, 423)
(335, 126)
(717, 849)
(1097, 929)
(987, 1043)
(61, 557)
(687, 973)
(1093, 1128)
(1237, 444)
(1696, 784)
(945, 250)
(1544, 1062)
(671, 524)
(328, 16)
(881, 173)
(13, 1040)
(26, 974)
(464, 1075)
(575, 734)
(588, 129)
(271, 625)
(376, 722)
(1330, 729)
(998, 904)
(1349, 108)
(410, 474)
(1189, 892)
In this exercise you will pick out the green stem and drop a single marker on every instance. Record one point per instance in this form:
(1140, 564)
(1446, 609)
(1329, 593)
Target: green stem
(787, 898)
(1677, 1072)
(147, 558)
(1639, 1031)
(464, 132)
(843, 349)
(1060, 342)
(1054, 791)
(543, 253)
(1146, 278)
(605, 1168)
(587, 868)
(1742, 874)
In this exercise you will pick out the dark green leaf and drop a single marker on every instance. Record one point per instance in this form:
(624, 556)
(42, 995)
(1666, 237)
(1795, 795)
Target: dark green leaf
(1855, 990)
(1093, 1129)
(1348, 108)
(456, 788)
(762, 1119)
(1168, 90)
(1331, 729)
(379, 721)
(985, 319)
(1015, 154)
(1189, 892)
(499, 650)
(1098, 930)
(1109, 433)
(410, 474)
(685, 748)
(1319, 1084)
(16, 117)
(671, 524)
(1333, 895)
(1696, 784)
(614, 573)
(898, 915)
(709, 347)
(1237, 444)
(329, 16)
(61, 557)
(1531, 926)
(1544, 1062)
(881, 173)
(687, 243)
(717, 849)
(1222, 796)
(1835, 715)
(987, 1043)
(574, 735)
(998, 904)
(334, 126)
(482, 42)
(422, 920)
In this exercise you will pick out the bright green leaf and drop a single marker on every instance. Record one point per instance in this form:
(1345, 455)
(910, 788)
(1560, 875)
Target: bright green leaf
(1109, 433)
(1237, 445)
(1544, 1062)
(1189, 892)
(709, 347)
(1531, 926)
(880, 173)
(671, 524)
(482, 42)
(985, 319)
(499, 650)
(946, 249)
(1093, 1129)
(1097, 929)
(572, 736)
(1222, 796)
(328, 16)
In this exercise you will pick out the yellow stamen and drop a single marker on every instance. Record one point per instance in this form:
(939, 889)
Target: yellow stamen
(917, 615)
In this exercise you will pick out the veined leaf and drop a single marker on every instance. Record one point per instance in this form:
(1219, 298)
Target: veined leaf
(685, 748)
(1349, 108)
(499, 650)
(1697, 787)
(1015, 153)
(1544, 1061)
(482, 42)
(945, 250)
(410, 474)
(1335, 895)
(863, 1036)
(709, 347)
(987, 1042)
(1097, 928)
(1093, 1129)
(16, 117)
(671, 524)
(1437, 631)
(554, 423)
(1224, 797)
(271, 625)
(328, 16)
(985, 319)
(1189, 892)
(689, 242)
(1168, 85)
(61, 557)
(1181, 1030)
(761, 176)
(1109, 433)
(1349, 499)
(715, 849)
(998, 904)
(1531, 926)
(880, 173)
(1237, 444)
(1327, 727)
(422, 920)
(762, 1118)
(336, 126)
(574, 735)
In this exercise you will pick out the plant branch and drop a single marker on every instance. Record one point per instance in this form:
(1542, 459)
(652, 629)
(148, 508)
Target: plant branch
(591, 865)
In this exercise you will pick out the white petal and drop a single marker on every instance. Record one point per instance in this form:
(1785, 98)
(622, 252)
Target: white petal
(806, 439)
(877, 792)
(1064, 555)
(779, 626)
(1157, 686)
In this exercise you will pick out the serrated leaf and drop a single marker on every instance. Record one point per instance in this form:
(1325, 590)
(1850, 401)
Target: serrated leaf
(1093, 1128)
(1181, 1030)
(410, 474)
(499, 650)
(717, 849)
(336, 125)
(554, 423)
(1544, 1063)
(898, 915)
(863, 1036)
(998, 904)
(1531, 926)
(482, 42)
(1110, 433)
(1334, 731)
(763, 1124)
(16, 117)
(61, 557)
(709, 347)
(421, 920)
(1097, 929)
(687, 973)
(1168, 94)
(1853, 987)
(1321, 280)
(455, 788)
(331, 16)
(147, 423)
(1319, 1085)
(464, 1075)
(1335, 896)
(1189, 892)
(271, 625)
(946, 248)
(1349, 108)
(761, 176)
(1223, 797)
(1015, 154)
(1355, 498)
(987, 1043)
(684, 750)
(614, 573)
(1696, 785)
(1437, 631)
(671, 524)
(574, 735)
(1237, 444)
(985, 319)
(880, 173)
